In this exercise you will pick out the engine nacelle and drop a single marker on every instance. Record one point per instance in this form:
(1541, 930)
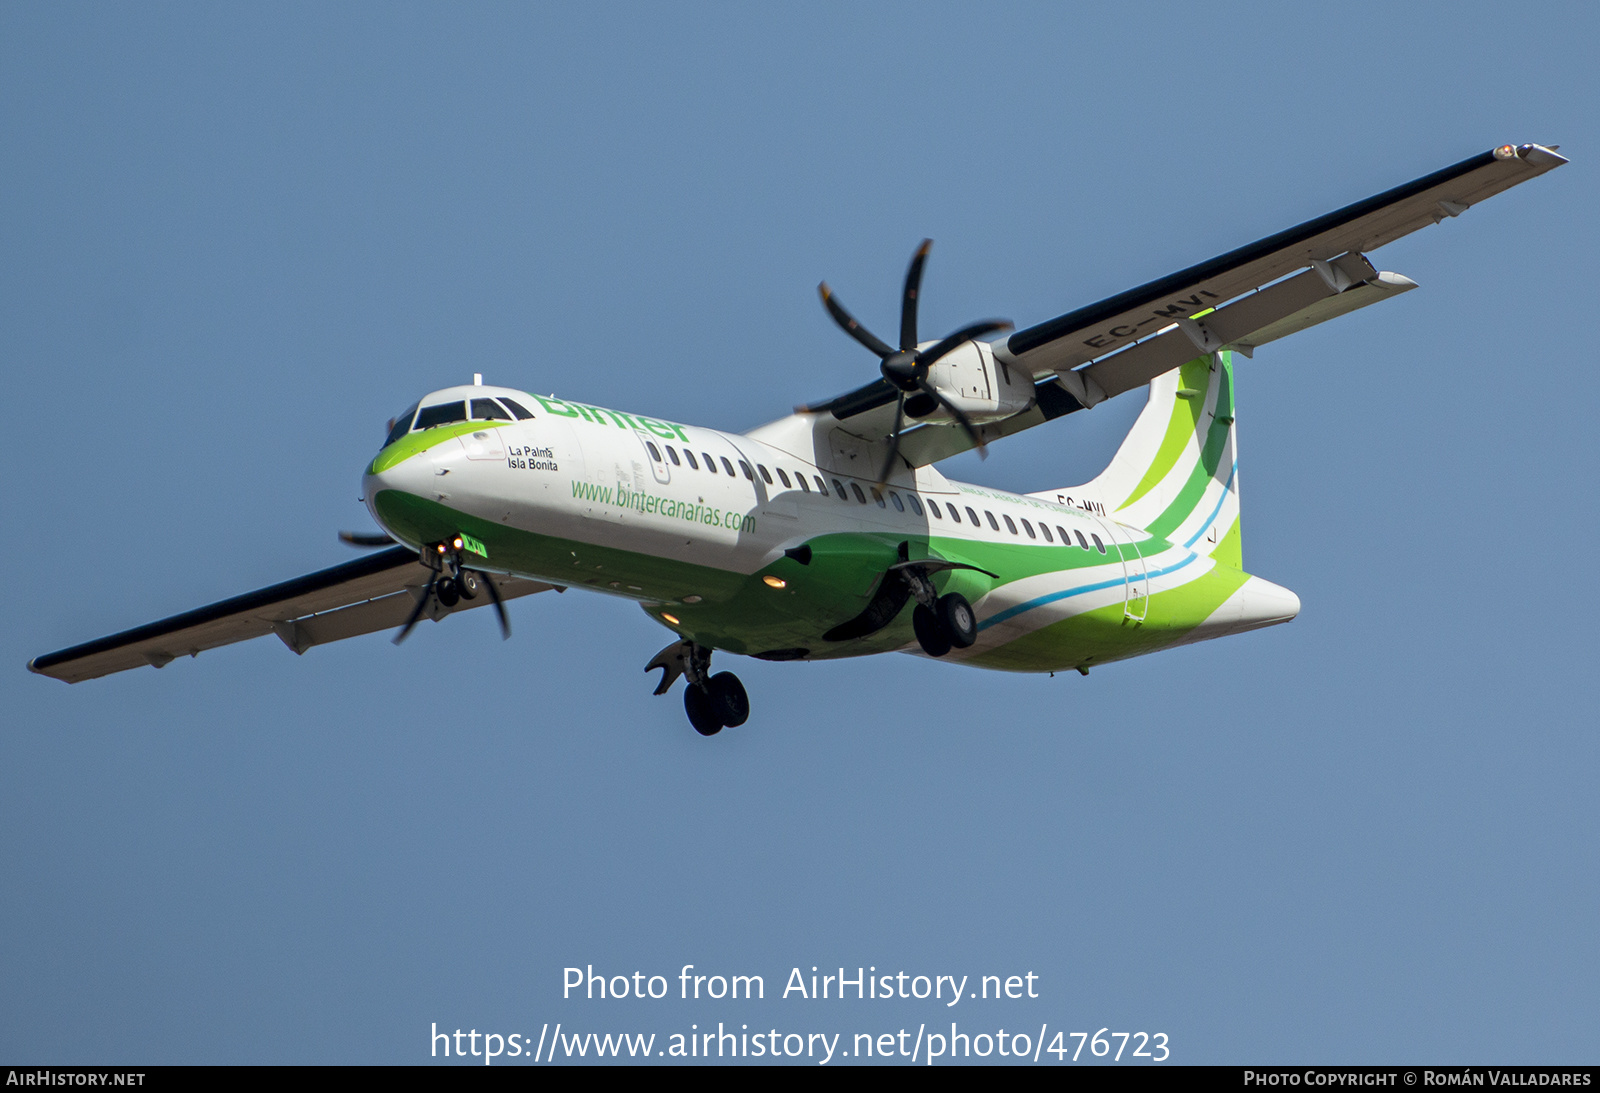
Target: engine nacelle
(984, 388)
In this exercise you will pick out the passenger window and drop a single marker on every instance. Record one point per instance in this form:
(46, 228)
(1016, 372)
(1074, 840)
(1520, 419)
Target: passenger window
(1027, 527)
(822, 487)
(711, 464)
(916, 506)
(800, 480)
(673, 455)
(898, 504)
(992, 522)
(878, 497)
(1098, 545)
(516, 408)
(857, 491)
(973, 516)
(766, 475)
(1044, 528)
(727, 466)
(933, 507)
(687, 454)
(838, 487)
(487, 409)
(784, 478)
(1010, 525)
(655, 453)
(748, 473)
(443, 414)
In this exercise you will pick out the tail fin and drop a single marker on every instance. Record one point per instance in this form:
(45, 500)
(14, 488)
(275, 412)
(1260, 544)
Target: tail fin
(1176, 473)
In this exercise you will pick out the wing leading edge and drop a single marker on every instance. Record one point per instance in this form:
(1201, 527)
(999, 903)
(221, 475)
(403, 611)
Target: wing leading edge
(376, 592)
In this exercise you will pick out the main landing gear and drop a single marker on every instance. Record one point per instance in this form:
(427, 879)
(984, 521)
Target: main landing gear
(713, 702)
(941, 623)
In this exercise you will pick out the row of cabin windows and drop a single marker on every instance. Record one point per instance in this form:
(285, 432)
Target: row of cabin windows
(694, 464)
(953, 512)
(448, 413)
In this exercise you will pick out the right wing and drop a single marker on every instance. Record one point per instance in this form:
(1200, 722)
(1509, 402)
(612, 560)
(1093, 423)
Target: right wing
(1331, 245)
(377, 592)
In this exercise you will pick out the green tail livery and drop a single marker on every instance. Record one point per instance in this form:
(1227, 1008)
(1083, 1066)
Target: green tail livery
(831, 532)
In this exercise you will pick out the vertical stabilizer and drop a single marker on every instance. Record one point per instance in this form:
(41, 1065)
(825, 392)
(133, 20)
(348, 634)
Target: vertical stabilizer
(1176, 473)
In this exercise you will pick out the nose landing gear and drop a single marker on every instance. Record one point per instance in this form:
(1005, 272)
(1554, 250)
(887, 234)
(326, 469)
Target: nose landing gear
(713, 702)
(451, 583)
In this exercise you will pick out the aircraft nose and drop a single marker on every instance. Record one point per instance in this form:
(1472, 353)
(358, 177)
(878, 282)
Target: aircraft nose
(413, 475)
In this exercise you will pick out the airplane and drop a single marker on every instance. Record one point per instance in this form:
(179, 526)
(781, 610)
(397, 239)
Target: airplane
(831, 533)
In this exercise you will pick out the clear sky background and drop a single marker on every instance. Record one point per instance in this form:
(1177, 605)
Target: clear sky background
(234, 239)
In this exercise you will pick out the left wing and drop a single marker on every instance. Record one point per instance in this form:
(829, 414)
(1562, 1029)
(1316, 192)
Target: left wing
(377, 592)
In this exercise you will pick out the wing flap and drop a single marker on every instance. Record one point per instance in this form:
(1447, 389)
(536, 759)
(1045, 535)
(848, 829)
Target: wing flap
(1291, 305)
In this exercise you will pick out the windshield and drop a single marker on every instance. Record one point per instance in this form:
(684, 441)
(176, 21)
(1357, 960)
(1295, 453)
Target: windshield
(401, 425)
(443, 414)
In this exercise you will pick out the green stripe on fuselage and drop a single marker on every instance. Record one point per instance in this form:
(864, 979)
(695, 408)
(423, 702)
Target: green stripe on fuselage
(412, 443)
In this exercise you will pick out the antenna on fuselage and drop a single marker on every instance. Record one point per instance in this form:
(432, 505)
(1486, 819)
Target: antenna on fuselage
(477, 379)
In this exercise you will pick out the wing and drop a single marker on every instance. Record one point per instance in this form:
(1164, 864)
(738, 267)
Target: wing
(376, 592)
(1240, 300)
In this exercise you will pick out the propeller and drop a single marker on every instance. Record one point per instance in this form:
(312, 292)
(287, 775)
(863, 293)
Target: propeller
(906, 369)
(365, 539)
(499, 608)
(416, 612)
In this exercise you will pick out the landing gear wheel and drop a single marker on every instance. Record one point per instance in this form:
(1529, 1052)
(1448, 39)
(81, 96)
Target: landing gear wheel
(702, 713)
(958, 620)
(728, 699)
(445, 589)
(469, 584)
(930, 635)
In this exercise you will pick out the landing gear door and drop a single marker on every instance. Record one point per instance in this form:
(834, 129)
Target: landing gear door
(653, 457)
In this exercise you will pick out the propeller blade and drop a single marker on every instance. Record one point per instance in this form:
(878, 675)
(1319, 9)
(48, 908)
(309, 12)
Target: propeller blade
(908, 299)
(894, 439)
(499, 608)
(848, 322)
(416, 612)
(364, 539)
(961, 418)
(962, 336)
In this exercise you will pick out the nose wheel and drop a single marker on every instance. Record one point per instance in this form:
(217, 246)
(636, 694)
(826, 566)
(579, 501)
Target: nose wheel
(713, 702)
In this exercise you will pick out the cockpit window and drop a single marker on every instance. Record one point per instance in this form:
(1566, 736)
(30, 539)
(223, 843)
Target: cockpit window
(487, 409)
(516, 408)
(442, 414)
(401, 425)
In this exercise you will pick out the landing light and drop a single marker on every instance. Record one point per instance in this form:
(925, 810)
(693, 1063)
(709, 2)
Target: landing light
(673, 619)
(773, 582)
(456, 542)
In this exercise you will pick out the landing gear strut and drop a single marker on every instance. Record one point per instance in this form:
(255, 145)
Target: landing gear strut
(713, 702)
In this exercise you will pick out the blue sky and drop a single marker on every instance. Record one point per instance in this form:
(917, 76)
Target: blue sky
(236, 240)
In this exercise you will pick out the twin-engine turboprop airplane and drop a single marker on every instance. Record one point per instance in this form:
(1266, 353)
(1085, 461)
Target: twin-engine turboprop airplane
(831, 533)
